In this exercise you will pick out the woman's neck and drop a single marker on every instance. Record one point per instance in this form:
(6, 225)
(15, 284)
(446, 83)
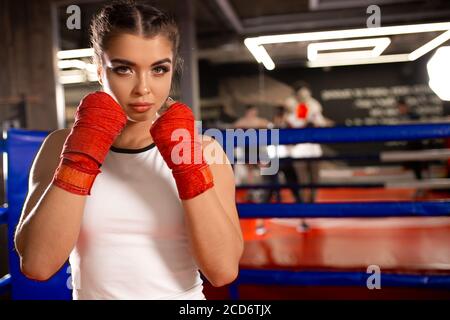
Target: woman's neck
(135, 135)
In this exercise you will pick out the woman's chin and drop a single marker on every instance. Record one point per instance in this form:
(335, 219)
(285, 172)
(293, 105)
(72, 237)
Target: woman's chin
(141, 117)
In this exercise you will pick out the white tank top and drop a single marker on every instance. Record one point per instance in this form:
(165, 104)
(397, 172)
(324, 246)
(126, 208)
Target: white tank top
(133, 242)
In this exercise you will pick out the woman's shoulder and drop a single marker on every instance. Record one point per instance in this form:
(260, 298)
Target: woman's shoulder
(51, 148)
(47, 158)
(54, 142)
(64, 132)
(213, 151)
(56, 139)
(209, 141)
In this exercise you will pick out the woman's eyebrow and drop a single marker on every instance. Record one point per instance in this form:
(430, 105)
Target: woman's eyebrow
(123, 61)
(132, 64)
(161, 61)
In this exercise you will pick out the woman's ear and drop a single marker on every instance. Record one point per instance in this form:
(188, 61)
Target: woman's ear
(169, 102)
(166, 105)
(99, 74)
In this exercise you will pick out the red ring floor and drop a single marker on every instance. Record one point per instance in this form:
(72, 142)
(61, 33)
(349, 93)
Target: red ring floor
(400, 245)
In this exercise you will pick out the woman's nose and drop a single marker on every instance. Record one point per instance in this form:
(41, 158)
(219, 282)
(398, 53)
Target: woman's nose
(142, 86)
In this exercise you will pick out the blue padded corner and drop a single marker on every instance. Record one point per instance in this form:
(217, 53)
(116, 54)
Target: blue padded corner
(21, 147)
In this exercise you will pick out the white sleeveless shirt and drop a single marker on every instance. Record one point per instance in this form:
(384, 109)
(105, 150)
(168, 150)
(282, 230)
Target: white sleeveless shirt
(133, 242)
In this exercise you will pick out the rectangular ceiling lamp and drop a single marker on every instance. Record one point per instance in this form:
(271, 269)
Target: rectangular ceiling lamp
(256, 44)
(378, 45)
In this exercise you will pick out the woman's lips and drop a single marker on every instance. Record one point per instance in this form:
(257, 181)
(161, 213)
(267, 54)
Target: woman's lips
(141, 106)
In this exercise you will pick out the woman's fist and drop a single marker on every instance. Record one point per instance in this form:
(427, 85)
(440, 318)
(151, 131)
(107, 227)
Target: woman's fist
(98, 121)
(179, 143)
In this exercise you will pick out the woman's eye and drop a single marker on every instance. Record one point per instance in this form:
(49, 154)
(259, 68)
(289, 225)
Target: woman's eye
(122, 70)
(161, 70)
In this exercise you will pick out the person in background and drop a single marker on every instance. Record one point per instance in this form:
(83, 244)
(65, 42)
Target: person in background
(305, 111)
(225, 119)
(251, 119)
(247, 173)
(280, 121)
(409, 115)
(405, 112)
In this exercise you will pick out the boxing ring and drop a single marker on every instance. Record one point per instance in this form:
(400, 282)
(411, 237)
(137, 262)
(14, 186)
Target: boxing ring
(283, 257)
(20, 146)
(19, 149)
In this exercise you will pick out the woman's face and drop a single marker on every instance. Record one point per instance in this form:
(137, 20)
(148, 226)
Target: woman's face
(303, 93)
(137, 70)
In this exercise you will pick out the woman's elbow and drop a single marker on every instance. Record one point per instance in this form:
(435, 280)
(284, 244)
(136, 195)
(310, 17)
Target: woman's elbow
(229, 274)
(35, 271)
(225, 278)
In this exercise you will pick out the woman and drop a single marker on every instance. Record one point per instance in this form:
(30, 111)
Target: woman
(145, 224)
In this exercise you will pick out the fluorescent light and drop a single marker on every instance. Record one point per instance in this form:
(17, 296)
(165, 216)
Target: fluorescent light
(72, 78)
(436, 42)
(353, 33)
(439, 72)
(77, 53)
(255, 44)
(381, 59)
(92, 76)
(265, 58)
(260, 54)
(378, 44)
(344, 55)
(77, 76)
(91, 68)
(74, 63)
(251, 45)
(72, 59)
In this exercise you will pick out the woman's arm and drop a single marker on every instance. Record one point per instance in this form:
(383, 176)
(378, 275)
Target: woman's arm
(62, 176)
(213, 222)
(51, 217)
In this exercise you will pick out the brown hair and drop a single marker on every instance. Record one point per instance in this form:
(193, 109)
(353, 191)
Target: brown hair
(132, 17)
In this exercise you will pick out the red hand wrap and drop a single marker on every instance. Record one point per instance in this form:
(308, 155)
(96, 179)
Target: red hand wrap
(98, 121)
(184, 155)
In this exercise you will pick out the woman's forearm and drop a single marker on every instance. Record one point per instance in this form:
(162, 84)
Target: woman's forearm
(216, 243)
(48, 234)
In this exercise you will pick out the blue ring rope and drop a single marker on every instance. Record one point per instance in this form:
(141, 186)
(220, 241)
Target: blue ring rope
(438, 208)
(341, 278)
(340, 134)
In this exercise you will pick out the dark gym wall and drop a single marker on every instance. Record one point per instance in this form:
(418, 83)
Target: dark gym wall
(398, 80)
(27, 51)
(409, 76)
(27, 79)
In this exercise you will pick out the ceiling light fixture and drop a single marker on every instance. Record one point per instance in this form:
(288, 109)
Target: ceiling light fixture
(256, 44)
(76, 53)
(378, 46)
(439, 72)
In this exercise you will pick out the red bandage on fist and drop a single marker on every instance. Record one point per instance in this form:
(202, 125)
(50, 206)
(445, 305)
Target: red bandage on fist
(98, 121)
(182, 153)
